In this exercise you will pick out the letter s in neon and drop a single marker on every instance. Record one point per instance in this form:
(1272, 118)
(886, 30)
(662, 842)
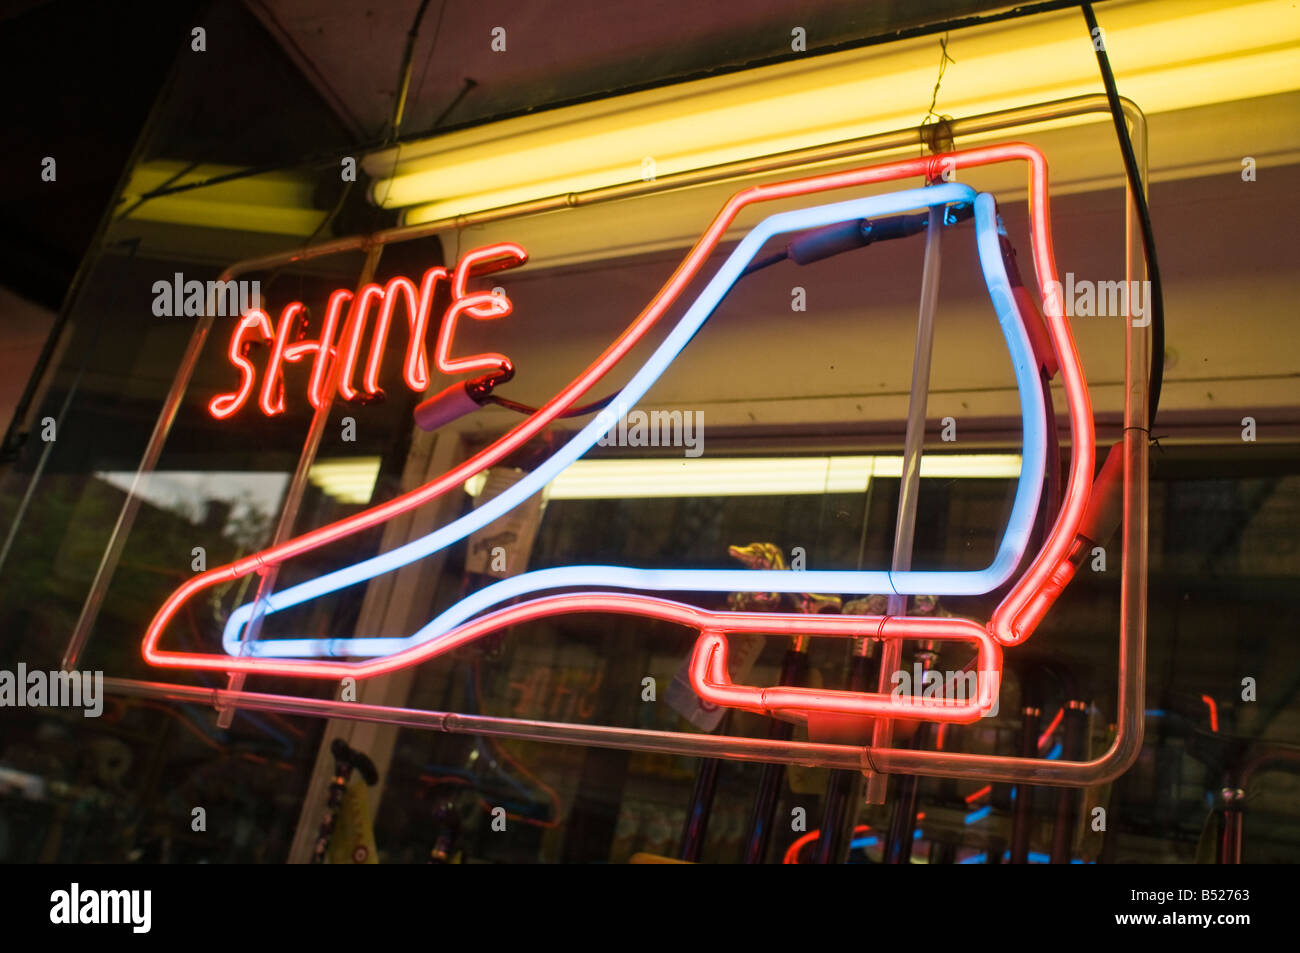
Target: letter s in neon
(223, 405)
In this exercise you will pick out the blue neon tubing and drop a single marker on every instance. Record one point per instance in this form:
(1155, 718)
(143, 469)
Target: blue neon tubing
(909, 582)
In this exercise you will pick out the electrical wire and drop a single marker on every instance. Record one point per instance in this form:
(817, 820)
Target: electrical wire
(758, 264)
(520, 408)
(1144, 216)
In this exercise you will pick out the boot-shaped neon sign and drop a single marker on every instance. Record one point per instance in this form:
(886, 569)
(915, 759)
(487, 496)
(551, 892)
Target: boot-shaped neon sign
(622, 590)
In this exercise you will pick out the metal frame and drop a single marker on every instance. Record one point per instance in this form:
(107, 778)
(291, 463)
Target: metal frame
(873, 759)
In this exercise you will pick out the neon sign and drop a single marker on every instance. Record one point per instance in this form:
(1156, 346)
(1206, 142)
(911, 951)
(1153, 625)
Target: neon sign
(287, 347)
(1027, 601)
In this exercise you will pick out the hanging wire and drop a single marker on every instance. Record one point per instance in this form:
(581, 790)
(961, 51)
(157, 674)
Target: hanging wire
(944, 60)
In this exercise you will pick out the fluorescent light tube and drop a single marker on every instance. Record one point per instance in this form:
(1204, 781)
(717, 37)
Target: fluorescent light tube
(1168, 54)
(753, 476)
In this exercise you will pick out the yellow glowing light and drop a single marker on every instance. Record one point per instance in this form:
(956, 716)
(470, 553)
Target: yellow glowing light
(1167, 54)
(276, 203)
(753, 476)
(348, 480)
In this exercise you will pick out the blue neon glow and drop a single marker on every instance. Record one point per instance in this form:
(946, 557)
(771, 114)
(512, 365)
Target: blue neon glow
(974, 817)
(1034, 857)
(1055, 752)
(1010, 550)
(863, 842)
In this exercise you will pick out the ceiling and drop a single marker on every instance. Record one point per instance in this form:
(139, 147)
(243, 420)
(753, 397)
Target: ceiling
(560, 51)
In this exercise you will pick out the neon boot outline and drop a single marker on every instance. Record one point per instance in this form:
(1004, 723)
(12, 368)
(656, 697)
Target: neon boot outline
(1013, 621)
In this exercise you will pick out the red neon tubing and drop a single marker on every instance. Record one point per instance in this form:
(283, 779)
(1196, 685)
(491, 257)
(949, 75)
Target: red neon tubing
(1214, 712)
(417, 315)
(223, 405)
(705, 675)
(470, 304)
(1013, 620)
(1046, 736)
(323, 348)
(711, 681)
(485, 261)
(792, 852)
(356, 324)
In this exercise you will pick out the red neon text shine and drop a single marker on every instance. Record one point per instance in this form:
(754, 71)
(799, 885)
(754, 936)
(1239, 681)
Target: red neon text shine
(288, 345)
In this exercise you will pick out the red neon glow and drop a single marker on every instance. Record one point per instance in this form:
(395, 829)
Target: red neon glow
(1013, 621)
(792, 852)
(1214, 712)
(223, 405)
(478, 362)
(712, 682)
(1046, 736)
(976, 795)
(356, 326)
(481, 305)
(272, 398)
(415, 368)
(416, 317)
(323, 348)
(485, 261)
(708, 666)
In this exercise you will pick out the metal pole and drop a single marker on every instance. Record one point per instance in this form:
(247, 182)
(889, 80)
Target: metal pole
(701, 806)
(162, 427)
(1274, 757)
(125, 518)
(1076, 723)
(910, 483)
(628, 739)
(298, 483)
(1231, 825)
(843, 787)
(902, 823)
(1131, 695)
(1023, 793)
(773, 774)
(700, 809)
